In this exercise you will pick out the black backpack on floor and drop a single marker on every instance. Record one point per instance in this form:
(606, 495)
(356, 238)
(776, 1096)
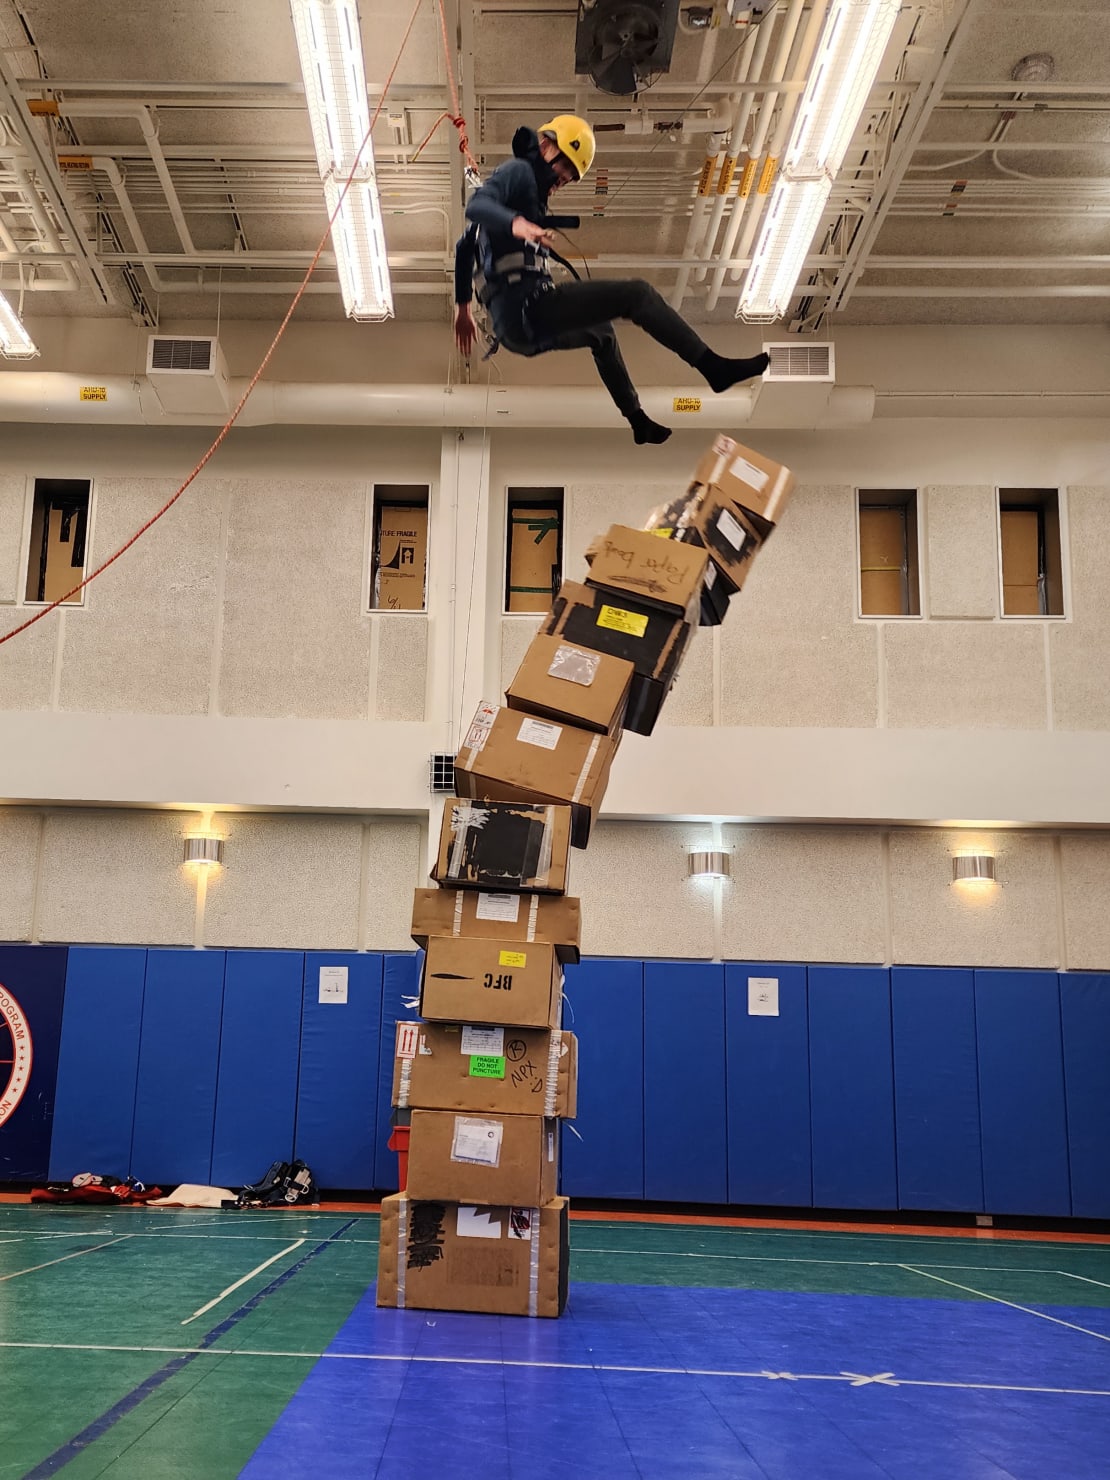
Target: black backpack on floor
(286, 1184)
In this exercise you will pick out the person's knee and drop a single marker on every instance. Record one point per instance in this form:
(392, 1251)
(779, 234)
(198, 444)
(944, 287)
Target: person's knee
(641, 295)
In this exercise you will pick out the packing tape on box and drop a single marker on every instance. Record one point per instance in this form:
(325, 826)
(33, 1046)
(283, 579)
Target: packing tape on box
(456, 923)
(584, 774)
(404, 1089)
(543, 861)
(533, 915)
(554, 1053)
(402, 1249)
(534, 1265)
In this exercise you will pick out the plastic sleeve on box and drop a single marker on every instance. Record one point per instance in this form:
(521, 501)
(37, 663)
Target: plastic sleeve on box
(552, 1084)
(584, 774)
(463, 820)
(402, 1249)
(534, 1265)
(543, 853)
(574, 665)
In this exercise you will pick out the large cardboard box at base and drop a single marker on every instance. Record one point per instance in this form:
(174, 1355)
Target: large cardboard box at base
(755, 482)
(550, 919)
(485, 1159)
(705, 517)
(510, 756)
(402, 557)
(652, 640)
(498, 1261)
(485, 1070)
(562, 681)
(490, 981)
(627, 560)
(497, 846)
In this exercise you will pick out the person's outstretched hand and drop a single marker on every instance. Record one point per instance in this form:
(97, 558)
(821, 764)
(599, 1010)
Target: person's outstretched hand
(528, 231)
(466, 331)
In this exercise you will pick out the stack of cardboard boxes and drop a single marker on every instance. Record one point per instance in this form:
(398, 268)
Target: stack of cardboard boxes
(483, 1080)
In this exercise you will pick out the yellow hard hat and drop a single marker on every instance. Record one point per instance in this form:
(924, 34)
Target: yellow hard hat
(575, 139)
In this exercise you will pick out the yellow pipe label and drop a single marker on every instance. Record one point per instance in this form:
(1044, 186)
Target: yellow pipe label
(747, 177)
(725, 181)
(770, 169)
(705, 179)
(687, 403)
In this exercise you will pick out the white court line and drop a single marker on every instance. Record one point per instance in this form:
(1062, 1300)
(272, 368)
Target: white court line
(257, 1270)
(253, 1238)
(1085, 1278)
(973, 1235)
(793, 1259)
(1011, 1303)
(62, 1259)
(853, 1379)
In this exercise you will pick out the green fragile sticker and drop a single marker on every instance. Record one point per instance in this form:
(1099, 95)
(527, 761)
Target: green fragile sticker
(487, 1066)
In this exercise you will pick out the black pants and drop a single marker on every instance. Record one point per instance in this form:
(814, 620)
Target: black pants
(578, 316)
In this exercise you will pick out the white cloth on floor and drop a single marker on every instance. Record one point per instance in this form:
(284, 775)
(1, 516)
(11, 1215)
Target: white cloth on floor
(191, 1195)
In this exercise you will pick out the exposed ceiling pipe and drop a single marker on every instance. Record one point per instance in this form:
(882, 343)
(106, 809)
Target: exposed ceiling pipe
(116, 177)
(750, 218)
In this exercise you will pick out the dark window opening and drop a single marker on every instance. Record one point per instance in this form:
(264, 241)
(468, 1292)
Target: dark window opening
(1032, 573)
(888, 575)
(59, 534)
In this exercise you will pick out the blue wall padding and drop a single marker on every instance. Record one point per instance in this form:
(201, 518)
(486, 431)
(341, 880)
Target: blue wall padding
(256, 1094)
(337, 1098)
(768, 1090)
(400, 984)
(1085, 1013)
(851, 1087)
(605, 1011)
(94, 1110)
(179, 1052)
(1021, 1093)
(34, 982)
(936, 1089)
(685, 1137)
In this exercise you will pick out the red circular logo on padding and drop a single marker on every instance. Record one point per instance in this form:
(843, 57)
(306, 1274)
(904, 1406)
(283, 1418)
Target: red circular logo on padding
(15, 1053)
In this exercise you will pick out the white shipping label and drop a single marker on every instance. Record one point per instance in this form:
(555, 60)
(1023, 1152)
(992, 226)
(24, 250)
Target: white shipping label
(748, 473)
(498, 907)
(477, 1223)
(710, 575)
(333, 984)
(574, 665)
(520, 1223)
(477, 1141)
(482, 1040)
(408, 1036)
(763, 996)
(539, 732)
(732, 531)
(480, 727)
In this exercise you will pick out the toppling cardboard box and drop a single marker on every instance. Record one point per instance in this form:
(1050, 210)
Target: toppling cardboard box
(490, 981)
(514, 757)
(760, 486)
(652, 640)
(560, 681)
(484, 1159)
(553, 920)
(706, 517)
(497, 846)
(502, 1261)
(485, 1070)
(630, 561)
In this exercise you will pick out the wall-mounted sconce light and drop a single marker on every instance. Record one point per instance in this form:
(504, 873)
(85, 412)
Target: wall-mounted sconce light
(974, 869)
(709, 863)
(204, 849)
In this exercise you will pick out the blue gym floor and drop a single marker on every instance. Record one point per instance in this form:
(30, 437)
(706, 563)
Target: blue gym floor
(692, 1350)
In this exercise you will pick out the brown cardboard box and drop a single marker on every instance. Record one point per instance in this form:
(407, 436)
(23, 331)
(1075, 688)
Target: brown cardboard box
(485, 1070)
(503, 846)
(513, 757)
(633, 561)
(564, 682)
(1021, 562)
(490, 981)
(485, 1159)
(748, 478)
(553, 920)
(708, 518)
(402, 558)
(533, 557)
(497, 1261)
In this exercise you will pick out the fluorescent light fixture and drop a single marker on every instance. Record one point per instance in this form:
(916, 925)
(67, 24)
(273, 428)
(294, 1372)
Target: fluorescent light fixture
(15, 342)
(788, 229)
(330, 45)
(849, 54)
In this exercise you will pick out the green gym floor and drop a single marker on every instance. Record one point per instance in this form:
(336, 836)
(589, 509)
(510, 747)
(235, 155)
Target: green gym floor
(156, 1342)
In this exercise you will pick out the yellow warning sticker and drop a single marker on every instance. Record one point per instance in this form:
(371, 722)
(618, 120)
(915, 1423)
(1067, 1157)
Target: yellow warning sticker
(634, 623)
(512, 958)
(664, 534)
(75, 162)
(93, 393)
(687, 403)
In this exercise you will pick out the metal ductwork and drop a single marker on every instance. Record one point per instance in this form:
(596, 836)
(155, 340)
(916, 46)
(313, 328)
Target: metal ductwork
(45, 396)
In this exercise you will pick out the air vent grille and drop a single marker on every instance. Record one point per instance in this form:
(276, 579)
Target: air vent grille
(800, 362)
(441, 771)
(181, 354)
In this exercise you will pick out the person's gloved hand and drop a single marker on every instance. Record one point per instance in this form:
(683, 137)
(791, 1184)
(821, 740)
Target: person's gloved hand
(528, 231)
(466, 331)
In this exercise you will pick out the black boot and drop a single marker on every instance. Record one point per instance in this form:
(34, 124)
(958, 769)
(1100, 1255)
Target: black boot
(722, 373)
(646, 430)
